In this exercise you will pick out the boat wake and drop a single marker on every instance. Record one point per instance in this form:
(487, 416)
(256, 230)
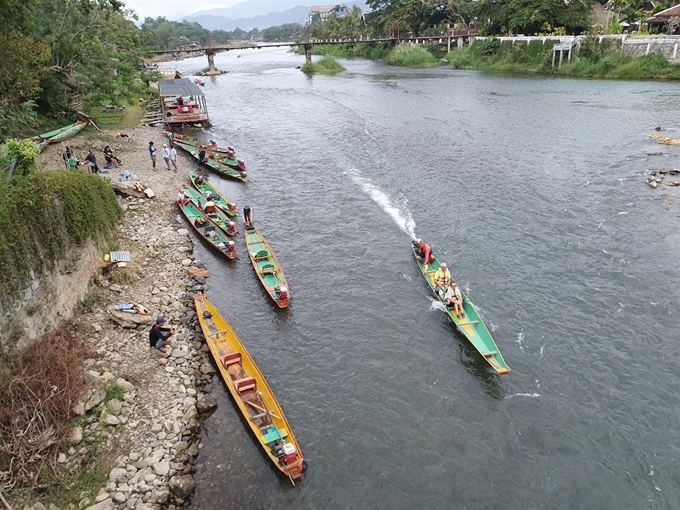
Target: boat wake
(398, 211)
(528, 395)
(435, 304)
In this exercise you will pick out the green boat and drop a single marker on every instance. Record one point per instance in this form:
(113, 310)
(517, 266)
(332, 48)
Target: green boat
(58, 135)
(210, 192)
(218, 216)
(214, 164)
(267, 267)
(470, 324)
(208, 229)
(216, 154)
(228, 153)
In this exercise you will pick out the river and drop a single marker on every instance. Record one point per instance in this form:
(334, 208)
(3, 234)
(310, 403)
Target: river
(532, 188)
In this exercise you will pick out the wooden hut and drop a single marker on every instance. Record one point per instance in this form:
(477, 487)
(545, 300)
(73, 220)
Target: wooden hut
(183, 103)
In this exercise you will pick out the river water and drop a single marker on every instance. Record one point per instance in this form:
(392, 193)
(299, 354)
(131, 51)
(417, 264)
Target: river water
(532, 188)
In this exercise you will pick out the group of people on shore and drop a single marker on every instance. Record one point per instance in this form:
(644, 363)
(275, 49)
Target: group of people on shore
(72, 162)
(169, 155)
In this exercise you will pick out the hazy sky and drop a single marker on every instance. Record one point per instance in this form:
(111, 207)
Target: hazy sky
(172, 8)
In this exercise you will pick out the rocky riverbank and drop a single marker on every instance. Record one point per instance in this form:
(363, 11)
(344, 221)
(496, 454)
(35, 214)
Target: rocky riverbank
(141, 412)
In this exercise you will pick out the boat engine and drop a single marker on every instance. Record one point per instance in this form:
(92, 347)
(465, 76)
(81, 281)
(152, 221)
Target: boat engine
(282, 291)
(231, 246)
(241, 164)
(231, 228)
(289, 454)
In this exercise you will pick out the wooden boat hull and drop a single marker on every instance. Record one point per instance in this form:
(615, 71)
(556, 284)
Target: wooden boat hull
(213, 154)
(209, 231)
(248, 387)
(470, 324)
(208, 190)
(267, 267)
(212, 164)
(665, 140)
(58, 135)
(220, 219)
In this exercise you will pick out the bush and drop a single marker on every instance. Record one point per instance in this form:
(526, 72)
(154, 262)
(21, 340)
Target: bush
(43, 216)
(409, 55)
(327, 65)
(26, 153)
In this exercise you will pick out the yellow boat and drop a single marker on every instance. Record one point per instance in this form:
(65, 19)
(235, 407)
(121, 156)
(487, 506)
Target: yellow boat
(250, 390)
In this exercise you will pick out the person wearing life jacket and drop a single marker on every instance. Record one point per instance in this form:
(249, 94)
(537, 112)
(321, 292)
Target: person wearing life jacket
(453, 298)
(425, 252)
(231, 228)
(442, 280)
(209, 207)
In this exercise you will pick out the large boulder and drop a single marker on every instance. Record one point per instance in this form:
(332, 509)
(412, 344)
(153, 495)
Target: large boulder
(182, 486)
(129, 320)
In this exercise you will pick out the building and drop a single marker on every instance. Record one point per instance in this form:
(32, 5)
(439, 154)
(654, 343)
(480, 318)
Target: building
(326, 10)
(666, 21)
(183, 103)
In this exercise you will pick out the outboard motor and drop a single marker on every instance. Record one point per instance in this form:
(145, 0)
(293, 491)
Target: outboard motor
(289, 454)
(232, 207)
(231, 228)
(231, 246)
(282, 291)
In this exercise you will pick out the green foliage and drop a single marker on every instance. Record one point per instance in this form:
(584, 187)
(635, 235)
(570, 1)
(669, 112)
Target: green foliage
(43, 216)
(327, 65)
(114, 391)
(17, 120)
(23, 64)
(410, 55)
(373, 51)
(26, 153)
(530, 17)
(285, 32)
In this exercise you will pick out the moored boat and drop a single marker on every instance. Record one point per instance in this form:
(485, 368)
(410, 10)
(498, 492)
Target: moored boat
(208, 229)
(267, 267)
(665, 140)
(470, 324)
(210, 192)
(215, 213)
(214, 164)
(250, 391)
(224, 157)
(58, 135)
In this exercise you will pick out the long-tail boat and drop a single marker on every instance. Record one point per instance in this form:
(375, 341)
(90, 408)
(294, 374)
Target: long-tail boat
(214, 164)
(223, 157)
(58, 135)
(470, 324)
(210, 192)
(217, 215)
(666, 140)
(250, 391)
(208, 229)
(267, 266)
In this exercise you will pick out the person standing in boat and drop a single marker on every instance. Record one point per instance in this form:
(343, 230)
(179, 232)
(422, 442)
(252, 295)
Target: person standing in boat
(201, 158)
(246, 214)
(442, 280)
(454, 299)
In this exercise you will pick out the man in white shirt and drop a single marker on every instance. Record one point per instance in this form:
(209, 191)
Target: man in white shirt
(166, 155)
(173, 157)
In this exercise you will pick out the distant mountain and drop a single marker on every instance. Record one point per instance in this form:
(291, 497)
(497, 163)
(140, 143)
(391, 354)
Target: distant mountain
(273, 19)
(258, 14)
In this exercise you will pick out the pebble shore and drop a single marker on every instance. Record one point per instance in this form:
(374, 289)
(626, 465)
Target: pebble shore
(154, 429)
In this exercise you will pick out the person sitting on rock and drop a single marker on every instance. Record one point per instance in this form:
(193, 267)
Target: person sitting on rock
(159, 336)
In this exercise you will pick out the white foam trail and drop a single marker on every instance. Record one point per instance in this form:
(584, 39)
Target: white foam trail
(528, 395)
(399, 212)
(622, 213)
(435, 304)
(520, 339)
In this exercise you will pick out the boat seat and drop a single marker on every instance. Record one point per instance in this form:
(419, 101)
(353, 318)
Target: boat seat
(209, 229)
(267, 268)
(490, 354)
(231, 358)
(258, 416)
(262, 254)
(245, 384)
(272, 436)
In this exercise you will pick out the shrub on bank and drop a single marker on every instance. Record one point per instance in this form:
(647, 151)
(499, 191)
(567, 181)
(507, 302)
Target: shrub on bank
(409, 55)
(373, 51)
(327, 65)
(43, 216)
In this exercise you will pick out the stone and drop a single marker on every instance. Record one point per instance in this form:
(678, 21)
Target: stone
(79, 409)
(117, 474)
(182, 231)
(107, 504)
(126, 385)
(119, 497)
(61, 459)
(161, 468)
(39, 506)
(111, 420)
(96, 327)
(95, 399)
(186, 262)
(101, 497)
(129, 320)
(207, 369)
(156, 428)
(182, 486)
(205, 403)
(115, 288)
(76, 435)
(115, 406)
(92, 375)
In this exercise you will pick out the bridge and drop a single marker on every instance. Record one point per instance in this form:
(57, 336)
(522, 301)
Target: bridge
(460, 37)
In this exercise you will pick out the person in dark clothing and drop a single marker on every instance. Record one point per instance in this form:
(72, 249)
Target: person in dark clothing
(201, 158)
(111, 159)
(67, 155)
(246, 214)
(92, 162)
(159, 336)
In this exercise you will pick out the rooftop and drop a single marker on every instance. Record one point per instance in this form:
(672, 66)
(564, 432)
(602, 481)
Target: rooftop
(183, 87)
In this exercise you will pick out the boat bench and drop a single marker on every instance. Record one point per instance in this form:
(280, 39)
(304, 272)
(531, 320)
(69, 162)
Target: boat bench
(267, 268)
(490, 354)
(245, 384)
(272, 436)
(231, 358)
(262, 254)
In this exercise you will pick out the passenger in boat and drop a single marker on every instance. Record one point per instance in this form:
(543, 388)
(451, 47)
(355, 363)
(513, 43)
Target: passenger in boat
(182, 198)
(453, 298)
(159, 335)
(213, 144)
(249, 225)
(201, 158)
(246, 214)
(209, 207)
(180, 101)
(442, 280)
(425, 252)
(199, 180)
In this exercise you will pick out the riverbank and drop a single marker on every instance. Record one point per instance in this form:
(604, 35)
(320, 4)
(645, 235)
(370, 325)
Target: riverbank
(135, 430)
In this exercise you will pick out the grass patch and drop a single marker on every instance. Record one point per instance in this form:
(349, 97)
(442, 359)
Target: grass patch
(327, 65)
(114, 391)
(93, 298)
(410, 55)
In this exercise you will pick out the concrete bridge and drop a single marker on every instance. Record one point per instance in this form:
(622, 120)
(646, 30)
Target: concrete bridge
(460, 38)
